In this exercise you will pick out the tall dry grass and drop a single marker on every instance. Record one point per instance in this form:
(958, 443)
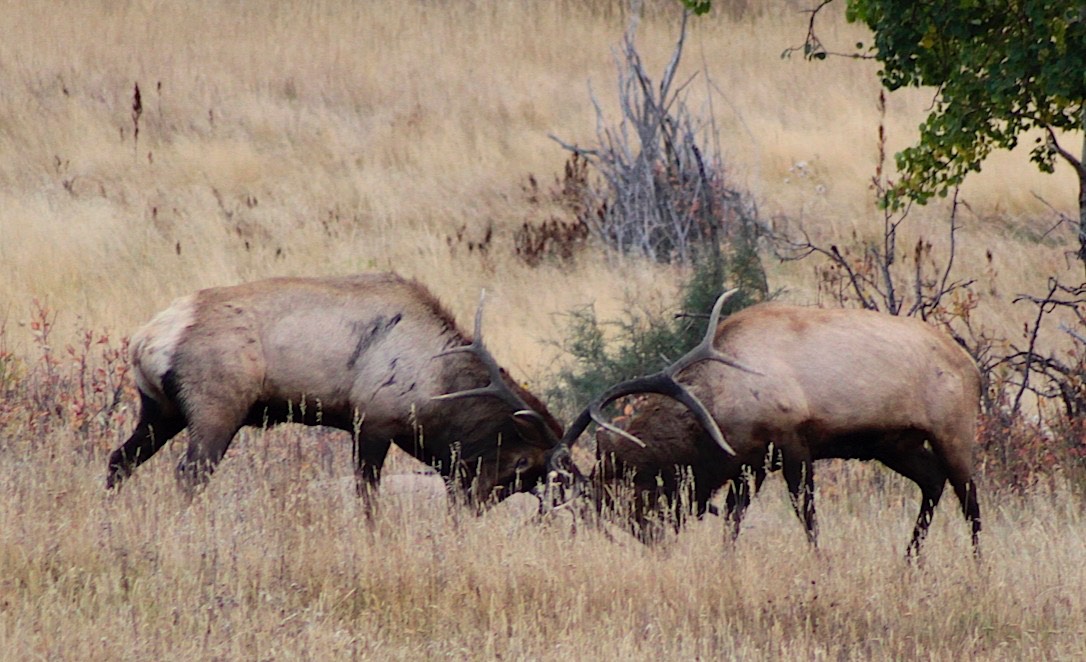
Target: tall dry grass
(274, 561)
(334, 136)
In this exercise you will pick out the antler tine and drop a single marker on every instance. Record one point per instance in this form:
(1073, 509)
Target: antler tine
(596, 411)
(664, 383)
(497, 387)
(476, 343)
(705, 350)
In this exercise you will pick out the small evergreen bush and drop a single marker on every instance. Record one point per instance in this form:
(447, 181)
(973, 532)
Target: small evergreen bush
(643, 342)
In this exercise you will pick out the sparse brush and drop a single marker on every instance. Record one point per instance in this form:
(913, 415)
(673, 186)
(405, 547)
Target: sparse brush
(556, 237)
(656, 185)
(86, 388)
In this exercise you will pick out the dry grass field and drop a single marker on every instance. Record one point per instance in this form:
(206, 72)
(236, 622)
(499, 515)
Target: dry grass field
(273, 562)
(333, 137)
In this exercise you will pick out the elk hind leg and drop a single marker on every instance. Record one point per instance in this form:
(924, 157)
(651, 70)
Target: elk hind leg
(210, 434)
(154, 429)
(966, 490)
(917, 463)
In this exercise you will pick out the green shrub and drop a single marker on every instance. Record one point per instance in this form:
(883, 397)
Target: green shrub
(642, 341)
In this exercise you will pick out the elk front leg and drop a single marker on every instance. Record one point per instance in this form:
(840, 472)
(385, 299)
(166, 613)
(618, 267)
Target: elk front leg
(799, 475)
(369, 458)
(742, 489)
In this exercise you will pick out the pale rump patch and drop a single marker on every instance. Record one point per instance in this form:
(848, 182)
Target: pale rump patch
(153, 346)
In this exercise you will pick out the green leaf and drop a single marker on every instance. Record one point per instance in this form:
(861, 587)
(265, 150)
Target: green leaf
(699, 7)
(999, 72)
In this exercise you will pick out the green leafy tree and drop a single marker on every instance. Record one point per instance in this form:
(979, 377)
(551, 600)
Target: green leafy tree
(1001, 68)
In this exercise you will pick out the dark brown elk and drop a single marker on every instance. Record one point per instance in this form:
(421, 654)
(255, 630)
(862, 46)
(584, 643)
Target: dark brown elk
(375, 355)
(805, 384)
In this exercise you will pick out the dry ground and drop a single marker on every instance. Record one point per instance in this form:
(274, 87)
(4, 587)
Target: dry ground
(335, 136)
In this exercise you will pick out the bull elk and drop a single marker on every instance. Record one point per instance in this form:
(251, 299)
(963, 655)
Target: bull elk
(803, 384)
(374, 354)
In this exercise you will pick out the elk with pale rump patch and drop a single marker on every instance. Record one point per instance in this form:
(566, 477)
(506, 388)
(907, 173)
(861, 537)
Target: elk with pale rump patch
(803, 384)
(375, 355)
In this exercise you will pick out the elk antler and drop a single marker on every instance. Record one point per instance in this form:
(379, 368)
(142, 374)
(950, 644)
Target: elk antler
(497, 387)
(664, 383)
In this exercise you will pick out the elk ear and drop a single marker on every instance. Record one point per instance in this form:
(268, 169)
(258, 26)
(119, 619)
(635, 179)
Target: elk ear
(533, 428)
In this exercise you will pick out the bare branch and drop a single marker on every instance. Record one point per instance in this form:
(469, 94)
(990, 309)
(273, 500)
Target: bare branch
(853, 277)
(656, 181)
(1064, 381)
(1074, 334)
(1067, 156)
(812, 46)
(1062, 217)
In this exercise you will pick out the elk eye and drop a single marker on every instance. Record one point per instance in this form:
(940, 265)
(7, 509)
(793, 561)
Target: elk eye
(522, 465)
